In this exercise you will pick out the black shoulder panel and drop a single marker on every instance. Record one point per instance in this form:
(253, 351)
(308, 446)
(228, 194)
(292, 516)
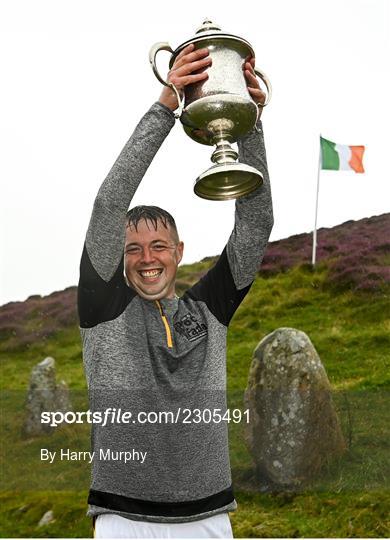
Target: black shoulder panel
(100, 301)
(217, 289)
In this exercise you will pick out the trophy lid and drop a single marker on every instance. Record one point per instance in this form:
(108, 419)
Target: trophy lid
(206, 33)
(208, 27)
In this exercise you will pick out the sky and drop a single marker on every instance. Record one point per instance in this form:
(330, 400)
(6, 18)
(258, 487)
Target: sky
(76, 80)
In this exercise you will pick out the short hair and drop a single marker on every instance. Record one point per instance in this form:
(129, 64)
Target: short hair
(152, 214)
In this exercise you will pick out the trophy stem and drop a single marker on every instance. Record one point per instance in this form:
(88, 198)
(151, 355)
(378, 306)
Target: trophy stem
(224, 153)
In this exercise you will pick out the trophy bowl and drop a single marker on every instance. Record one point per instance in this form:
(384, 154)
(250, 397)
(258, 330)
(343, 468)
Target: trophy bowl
(219, 110)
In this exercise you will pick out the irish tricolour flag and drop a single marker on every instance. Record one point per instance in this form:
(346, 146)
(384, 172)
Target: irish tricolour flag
(335, 157)
(340, 157)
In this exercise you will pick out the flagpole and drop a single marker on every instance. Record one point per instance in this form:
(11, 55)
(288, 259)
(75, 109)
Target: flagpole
(313, 258)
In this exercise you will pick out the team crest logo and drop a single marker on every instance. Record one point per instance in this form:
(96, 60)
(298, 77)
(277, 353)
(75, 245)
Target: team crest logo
(190, 327)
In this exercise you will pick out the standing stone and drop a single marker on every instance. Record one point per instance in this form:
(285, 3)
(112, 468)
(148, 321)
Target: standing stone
(293, 428)
(44, 395)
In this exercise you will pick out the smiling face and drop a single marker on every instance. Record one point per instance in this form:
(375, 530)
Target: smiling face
(151, 259)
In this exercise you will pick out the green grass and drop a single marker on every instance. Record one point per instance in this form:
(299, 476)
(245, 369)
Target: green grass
(329, 515)
(22, 510)
(350, 498)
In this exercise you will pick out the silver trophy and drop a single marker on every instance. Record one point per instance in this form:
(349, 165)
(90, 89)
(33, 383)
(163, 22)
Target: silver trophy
(219, 110)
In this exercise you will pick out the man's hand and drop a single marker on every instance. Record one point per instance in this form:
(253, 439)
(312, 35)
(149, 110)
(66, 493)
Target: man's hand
(254, 89)
(183, 73)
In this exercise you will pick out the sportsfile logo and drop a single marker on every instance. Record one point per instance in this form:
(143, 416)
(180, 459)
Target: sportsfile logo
(190, 327)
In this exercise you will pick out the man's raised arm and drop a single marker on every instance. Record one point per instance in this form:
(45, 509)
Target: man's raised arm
(253, 215)
(225, 285)
(106, 232)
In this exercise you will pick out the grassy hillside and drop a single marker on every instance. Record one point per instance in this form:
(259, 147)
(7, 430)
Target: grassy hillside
(342, 304)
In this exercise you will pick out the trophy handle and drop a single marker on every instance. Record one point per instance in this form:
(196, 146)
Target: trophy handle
(163, 46)
(267, 83)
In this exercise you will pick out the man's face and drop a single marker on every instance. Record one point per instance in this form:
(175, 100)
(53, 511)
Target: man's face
(151, 259)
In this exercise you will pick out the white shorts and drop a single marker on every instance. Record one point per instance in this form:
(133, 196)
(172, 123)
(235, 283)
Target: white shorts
(114, 526)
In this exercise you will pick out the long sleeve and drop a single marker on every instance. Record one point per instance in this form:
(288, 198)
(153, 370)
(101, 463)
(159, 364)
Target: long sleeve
(225, 285)
(106, 232)
(253, 215)
(102, 291)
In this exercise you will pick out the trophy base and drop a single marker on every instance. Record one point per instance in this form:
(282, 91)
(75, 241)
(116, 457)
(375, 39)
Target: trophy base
(226, 181)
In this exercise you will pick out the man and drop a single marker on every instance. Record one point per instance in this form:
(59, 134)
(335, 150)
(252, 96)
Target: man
(164, 471)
